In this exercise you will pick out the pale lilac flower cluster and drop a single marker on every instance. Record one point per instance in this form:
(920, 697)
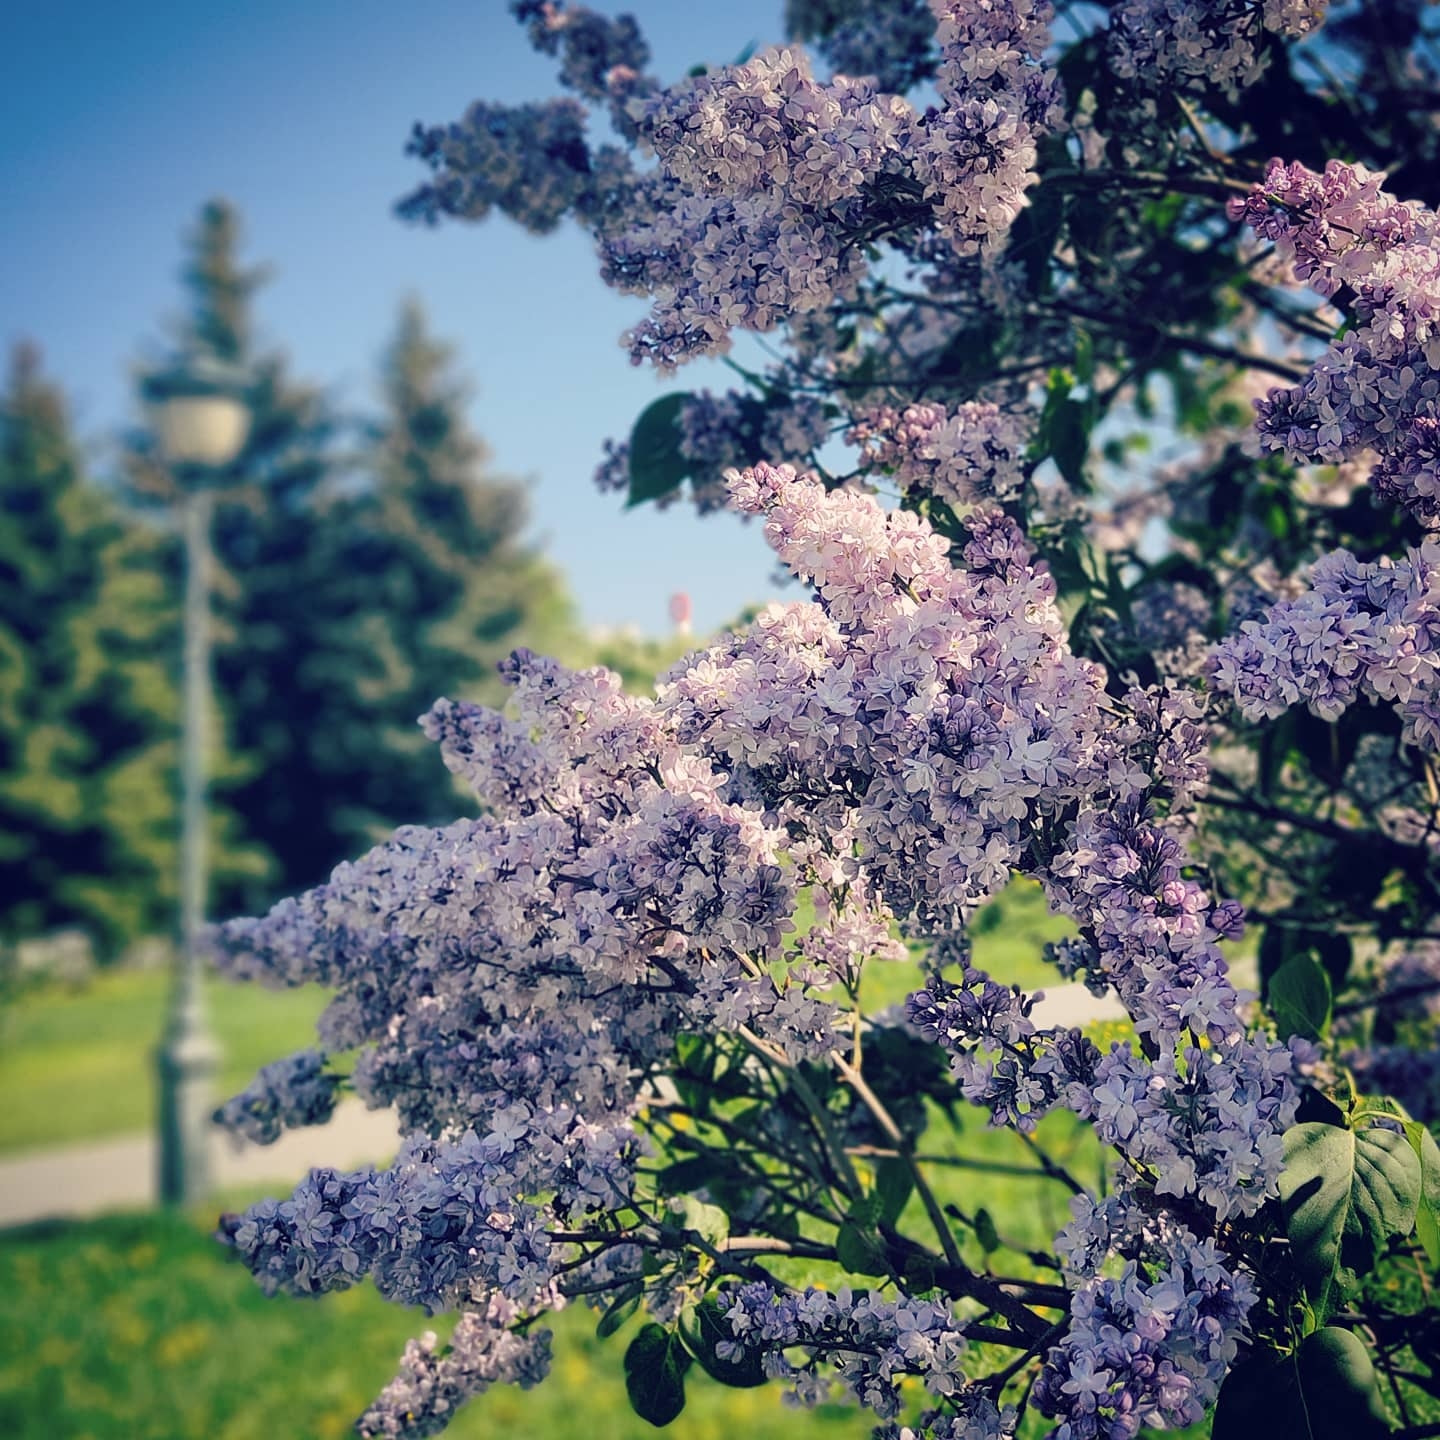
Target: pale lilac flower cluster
(612, 474)
(1000, 1059)
(1368, 629)
(434, 1381)
(601, 58)
(888, 41)
(530, 162)
(764, 171)
(929, 715)
(1150, 1345)
(893, 750)
(1171, 621)
(976, 156)
(1162, 42)
(1378, 385)
(287, 1094)
(870, 1344)
(963, 456)
(767, 127)
(970, 1414)
(719, 433)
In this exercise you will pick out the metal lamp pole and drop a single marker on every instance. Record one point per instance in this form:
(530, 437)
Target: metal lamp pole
(201, 423)
(188, 1052)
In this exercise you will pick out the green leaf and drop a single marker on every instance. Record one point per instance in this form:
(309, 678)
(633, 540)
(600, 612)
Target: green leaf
(744, 1371)
(985, 1231)
(1427, 1213)
(709, 1222)
(860, 1251)
(655, 1366)
(1344, 1195)
(1299, 998)
(657, 465)
(1326, 1390)
(621, 1308)
(894, 1182)
(1064, 429)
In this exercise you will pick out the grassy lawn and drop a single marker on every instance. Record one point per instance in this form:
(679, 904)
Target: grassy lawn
(138, 1327)
(79, 1064)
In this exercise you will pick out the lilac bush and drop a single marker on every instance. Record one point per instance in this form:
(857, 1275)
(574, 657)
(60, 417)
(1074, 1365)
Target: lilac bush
(624, 1008)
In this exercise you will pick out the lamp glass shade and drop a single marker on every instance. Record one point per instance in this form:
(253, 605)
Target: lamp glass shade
(204, 430)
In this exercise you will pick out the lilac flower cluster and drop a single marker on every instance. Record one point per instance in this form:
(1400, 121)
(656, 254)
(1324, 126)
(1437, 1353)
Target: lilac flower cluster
(1162, 42)
(977, 156)
(870, 1343)
(434, 1382)
(763, 171)
(891, 750)
(979, 1017)
(1151, 1344)
(942, 700)
(289, 1093)
(975, 452)
(530, 162)
(888, 41)
(1361, 629)
(601, 58)
(1378, 385)
(971, 1414)
(719, 433)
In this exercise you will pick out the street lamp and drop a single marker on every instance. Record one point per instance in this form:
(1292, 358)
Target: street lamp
(200, 418)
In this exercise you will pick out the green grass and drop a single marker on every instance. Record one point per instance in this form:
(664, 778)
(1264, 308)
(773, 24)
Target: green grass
(80, 1064)
(138, 1327)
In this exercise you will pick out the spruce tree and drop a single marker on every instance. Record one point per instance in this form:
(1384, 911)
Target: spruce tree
(347, 602)
(87, 696)
(437, 586)
(268, 588)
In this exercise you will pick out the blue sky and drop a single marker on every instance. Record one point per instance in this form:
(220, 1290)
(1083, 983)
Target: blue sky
(120, 120)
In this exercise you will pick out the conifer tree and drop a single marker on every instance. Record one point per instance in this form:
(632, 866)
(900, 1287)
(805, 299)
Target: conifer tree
(268, 590)
(434, 586)
(87, 696)
(344, 609)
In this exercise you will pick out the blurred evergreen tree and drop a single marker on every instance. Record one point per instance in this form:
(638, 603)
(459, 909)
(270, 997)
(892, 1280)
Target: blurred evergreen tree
(88, 702)
(354, 589)
(436, 585)
(271, 586)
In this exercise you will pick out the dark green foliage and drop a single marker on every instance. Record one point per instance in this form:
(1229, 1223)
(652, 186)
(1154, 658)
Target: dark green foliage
(1326, 1390)
(1299, 998)
(657, 465)
(1345, 1193)
(710, 1328)
(429, 585)
(655, 1366)
(87, 693)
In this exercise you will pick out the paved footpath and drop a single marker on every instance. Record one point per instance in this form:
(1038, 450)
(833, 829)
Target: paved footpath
(119, 1174)
(78, 1180)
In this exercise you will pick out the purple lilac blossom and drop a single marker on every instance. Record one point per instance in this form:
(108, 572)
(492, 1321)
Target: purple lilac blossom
(286, 1094)
(893, 749)
(963, 456)
(1164, 42)
(1378, 385)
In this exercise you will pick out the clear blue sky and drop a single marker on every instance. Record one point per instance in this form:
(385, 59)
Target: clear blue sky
(118, 121)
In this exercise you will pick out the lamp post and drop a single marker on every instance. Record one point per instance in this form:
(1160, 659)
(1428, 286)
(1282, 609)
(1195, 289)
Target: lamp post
(200, 419)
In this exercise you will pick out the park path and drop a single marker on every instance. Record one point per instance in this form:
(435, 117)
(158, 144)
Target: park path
(119, 1174)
